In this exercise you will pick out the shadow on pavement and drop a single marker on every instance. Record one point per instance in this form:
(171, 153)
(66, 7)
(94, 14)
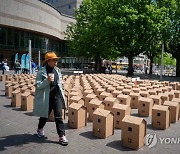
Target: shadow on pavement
(20, 140)
(117, 145)
(89, 135)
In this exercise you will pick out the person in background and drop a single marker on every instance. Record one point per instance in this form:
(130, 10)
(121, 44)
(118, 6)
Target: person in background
(17, 67)
(49, 95)
(33, 66)
(4, 66)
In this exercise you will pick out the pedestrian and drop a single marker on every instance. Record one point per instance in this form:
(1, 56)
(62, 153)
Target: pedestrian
(110, 69)
(49, 95)
(4, 66)
(33, 66)
(17, 67)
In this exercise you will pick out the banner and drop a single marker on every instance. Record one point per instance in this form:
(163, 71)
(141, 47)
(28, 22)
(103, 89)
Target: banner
(23, 61)
(27, 61)
(16, 57)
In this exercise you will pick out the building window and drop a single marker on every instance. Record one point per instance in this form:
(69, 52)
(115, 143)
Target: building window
(69, 7)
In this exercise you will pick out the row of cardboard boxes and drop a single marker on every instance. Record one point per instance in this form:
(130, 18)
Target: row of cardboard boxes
(133, 129)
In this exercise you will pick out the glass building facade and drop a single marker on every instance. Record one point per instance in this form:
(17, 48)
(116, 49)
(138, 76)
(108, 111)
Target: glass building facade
(14, 41)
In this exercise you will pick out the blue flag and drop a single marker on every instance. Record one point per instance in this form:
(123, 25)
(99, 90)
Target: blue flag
(16, 57)
(27, 62)
(23, 60)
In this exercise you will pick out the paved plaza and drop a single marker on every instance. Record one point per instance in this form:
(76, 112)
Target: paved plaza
(18, 128)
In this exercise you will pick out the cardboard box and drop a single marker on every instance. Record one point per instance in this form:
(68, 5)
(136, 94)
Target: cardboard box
(164, 97)
(174, 110)
(156, 99)
(103, 123)
(104, 94)
(124, 99)
(76, 99)
(176, 93)
(88, 98)
(144, 93)
(126, 91)
(145, 107)
(152, 92)
(134, 101)
(177, 100)
(27, 101)
(73, 93)
(2, 78)
(110, 89)
(93, 105)
(171, 95)
(109, 102)
(173, 85)
(133, 132)
(77, 116)
(86, 92)
(16, 98)
(120, 88)
(160, 117)
(119, 111)
(8, 90)
(115, 93)
(99, 91)
(136, 90)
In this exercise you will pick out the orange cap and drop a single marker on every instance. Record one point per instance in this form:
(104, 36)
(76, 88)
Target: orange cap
(50, 55)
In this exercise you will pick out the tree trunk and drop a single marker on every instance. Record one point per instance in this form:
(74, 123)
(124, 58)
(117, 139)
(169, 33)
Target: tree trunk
(130, 66)
(98, 64)
(151, 65)
(178, 67)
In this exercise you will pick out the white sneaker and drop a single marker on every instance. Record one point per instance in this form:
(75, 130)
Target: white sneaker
(63, 140)
(40, 132)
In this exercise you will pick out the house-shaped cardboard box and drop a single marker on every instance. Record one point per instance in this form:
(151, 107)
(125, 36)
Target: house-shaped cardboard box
(77, 116)
(103, 123)
(110, 89)
(156, 99)
(76, 99)
(133, 132)
(104, 94)
(144, 93)
(16, 98)
(171, 95)
(88, 98)
(115, 93)
(27, 101)
(126, 91)
(176, 93)
(160, 116)
(109, 102)
(177, 100)
(120, 111)
(145, 106)
(164, 97)
(174, 110)
(124, 99)
(134, 102)
(93, 105)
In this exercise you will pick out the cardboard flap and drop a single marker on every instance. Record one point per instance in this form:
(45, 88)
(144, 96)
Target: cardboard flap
(120, 106)
(75, 106)
(101, 112)
(110, 99)
(90, 96)
(145, 99)
(160, 107)
(133, 120)
(95, 101)
(170, 103)
(76, 98)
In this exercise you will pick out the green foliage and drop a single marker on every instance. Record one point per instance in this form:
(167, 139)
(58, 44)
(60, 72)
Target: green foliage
(168, 59)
